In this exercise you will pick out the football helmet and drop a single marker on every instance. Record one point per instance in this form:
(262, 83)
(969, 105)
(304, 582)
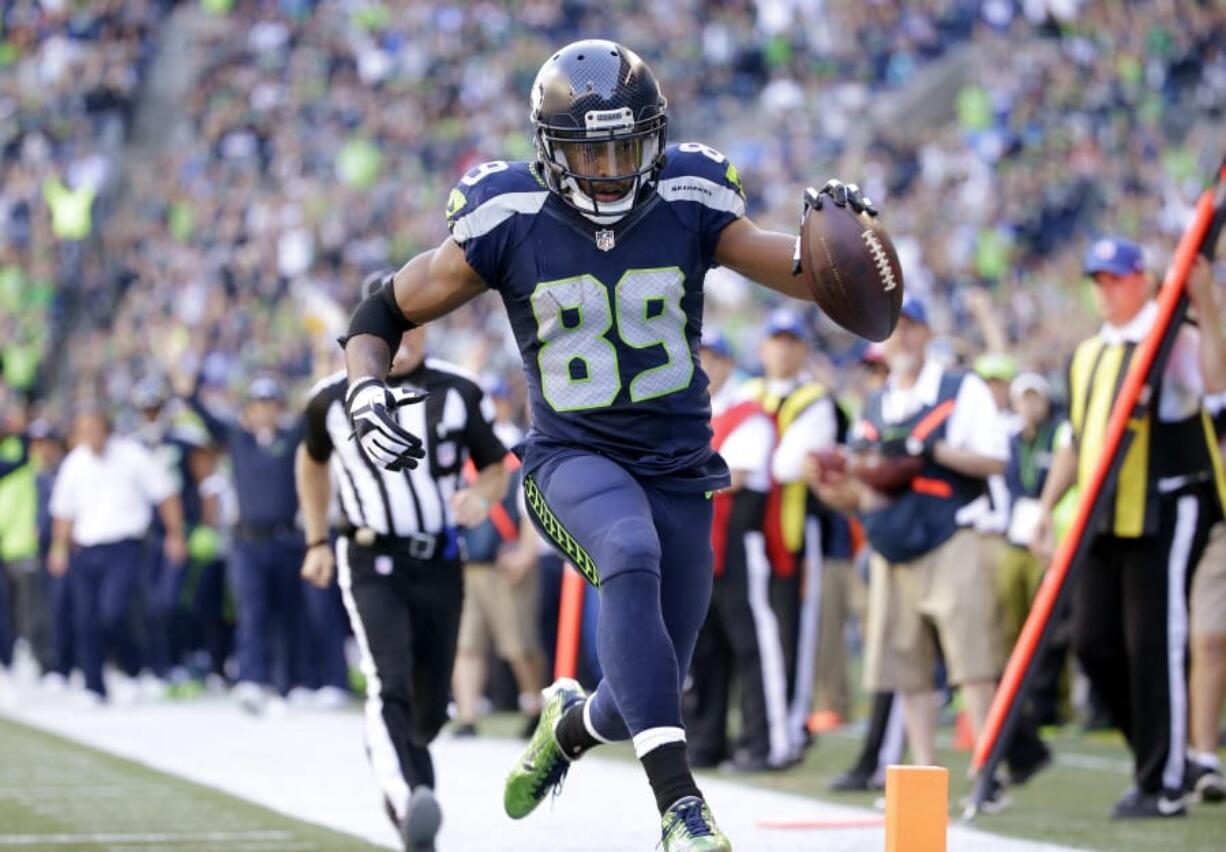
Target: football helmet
(599, 124)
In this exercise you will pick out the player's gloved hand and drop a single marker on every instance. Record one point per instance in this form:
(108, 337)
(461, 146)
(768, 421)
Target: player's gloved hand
(842, 194)
(371, 407)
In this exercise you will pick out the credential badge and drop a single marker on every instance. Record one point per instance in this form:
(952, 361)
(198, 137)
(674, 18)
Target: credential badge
(604, 240)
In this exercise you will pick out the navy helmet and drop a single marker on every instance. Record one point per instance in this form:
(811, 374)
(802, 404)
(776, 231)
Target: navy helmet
(599, 122)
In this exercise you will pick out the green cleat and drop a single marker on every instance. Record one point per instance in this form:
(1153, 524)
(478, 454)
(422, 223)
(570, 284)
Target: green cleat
(689, 827)
(542, 766)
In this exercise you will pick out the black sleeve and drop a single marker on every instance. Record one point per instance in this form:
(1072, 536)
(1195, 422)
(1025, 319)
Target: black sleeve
(315, 423)
(483, 445)
(216, 426)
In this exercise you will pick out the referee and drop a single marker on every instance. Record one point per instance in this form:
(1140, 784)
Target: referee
(1130, 605)
(399, 559)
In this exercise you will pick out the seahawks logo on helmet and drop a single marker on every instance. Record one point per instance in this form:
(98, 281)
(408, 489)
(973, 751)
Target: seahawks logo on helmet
(600, 127)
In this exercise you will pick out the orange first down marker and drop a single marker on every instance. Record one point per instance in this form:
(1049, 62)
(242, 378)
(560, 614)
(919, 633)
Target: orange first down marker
(916, 808)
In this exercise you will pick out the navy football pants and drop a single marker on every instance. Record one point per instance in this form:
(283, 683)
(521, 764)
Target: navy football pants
(652, 550)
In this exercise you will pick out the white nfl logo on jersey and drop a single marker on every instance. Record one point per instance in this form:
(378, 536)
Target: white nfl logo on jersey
(604, 240)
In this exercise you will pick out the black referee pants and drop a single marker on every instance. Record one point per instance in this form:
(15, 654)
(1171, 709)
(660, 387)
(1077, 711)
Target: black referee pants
(406, 617)
(740, 640)
(1130, 612)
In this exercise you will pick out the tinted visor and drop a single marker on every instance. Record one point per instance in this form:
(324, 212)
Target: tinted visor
(606, 164)
(605, 158)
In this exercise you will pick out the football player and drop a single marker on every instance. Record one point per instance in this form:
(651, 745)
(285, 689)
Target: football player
(598, 248)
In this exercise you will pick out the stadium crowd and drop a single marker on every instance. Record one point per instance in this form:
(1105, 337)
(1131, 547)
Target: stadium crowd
(323, 138)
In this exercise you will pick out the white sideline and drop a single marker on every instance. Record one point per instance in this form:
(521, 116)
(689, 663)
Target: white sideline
(311, 766)
(45, 840)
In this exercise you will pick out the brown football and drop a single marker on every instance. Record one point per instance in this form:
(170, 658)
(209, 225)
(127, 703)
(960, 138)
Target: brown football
(852, 270)
(887, 474)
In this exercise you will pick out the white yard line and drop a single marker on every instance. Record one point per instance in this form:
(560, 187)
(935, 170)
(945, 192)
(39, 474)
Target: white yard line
(160, 837)
(311, 766)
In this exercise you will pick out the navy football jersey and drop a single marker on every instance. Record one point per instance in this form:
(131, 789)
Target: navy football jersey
(608, 317)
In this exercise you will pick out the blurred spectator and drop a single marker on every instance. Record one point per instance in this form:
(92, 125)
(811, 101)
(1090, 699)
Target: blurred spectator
(102, 505)
(268, 546)
(740, 641)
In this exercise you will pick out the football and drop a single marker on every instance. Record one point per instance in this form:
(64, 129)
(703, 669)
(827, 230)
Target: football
(887, 474)
(852, 270)
(831, 463)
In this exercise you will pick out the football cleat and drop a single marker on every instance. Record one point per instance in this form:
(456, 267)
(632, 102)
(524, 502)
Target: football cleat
(689, 827)
(543, 765)
(422, 821)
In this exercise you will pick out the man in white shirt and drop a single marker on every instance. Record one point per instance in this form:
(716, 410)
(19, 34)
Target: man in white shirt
(101, 505)
(927, 583)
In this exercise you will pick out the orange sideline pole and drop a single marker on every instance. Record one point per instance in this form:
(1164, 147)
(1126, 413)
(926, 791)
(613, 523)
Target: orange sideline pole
(1126, 403)
(570, 623)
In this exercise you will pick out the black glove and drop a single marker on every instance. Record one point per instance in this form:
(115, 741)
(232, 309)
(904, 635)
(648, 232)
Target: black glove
(842, 194)
(371, 408)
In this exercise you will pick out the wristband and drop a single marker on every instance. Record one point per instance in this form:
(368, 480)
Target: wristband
(322, 542)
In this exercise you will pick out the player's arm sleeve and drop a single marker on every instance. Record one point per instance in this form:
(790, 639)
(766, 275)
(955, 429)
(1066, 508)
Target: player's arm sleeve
(975, 424)
(315, 435)
(483, 445)
(815, 429)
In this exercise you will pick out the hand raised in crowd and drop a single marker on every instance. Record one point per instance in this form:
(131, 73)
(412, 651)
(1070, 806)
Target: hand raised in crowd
(318, 566)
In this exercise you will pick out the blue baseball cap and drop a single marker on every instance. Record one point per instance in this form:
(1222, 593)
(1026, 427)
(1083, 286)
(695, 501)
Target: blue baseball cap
(1116, 255)
(716, 341)
(914, 310)
(264, 389)
(786, 321)
(149, 393)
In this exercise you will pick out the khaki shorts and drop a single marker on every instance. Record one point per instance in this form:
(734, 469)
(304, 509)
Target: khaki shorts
(494, 608)
(947, 595)
(1209, 585)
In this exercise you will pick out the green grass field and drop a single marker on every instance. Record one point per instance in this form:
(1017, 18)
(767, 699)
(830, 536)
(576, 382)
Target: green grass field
(56, 794)
(1066, 804)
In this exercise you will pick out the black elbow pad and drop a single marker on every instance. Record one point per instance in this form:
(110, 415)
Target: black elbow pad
(378, 314)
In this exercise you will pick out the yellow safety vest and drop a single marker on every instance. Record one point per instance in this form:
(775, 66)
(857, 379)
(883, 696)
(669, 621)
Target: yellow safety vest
(785, 410)
(18, 507)
(1096, 374)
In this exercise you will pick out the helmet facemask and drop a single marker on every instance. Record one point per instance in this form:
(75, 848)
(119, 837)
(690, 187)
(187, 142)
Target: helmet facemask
(601, 168)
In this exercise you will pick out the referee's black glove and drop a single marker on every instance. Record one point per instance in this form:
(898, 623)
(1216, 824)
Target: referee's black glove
(371, 408)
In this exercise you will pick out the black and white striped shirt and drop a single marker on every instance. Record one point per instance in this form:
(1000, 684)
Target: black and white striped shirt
(455, 422)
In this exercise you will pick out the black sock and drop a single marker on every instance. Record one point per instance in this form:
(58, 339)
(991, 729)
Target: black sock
(668, 770)
(572, 735)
